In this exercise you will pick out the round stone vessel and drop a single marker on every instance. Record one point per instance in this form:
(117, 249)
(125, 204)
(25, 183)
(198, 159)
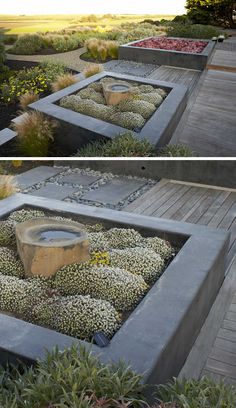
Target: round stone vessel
(116, 92)
(45, 245)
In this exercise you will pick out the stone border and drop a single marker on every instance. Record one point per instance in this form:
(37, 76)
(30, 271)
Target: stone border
(76, 129)
(158, 336)
(181, 59)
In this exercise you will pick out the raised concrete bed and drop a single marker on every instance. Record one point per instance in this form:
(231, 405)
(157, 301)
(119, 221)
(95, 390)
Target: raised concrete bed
(77, 130)
(197, 61)
(159, 334)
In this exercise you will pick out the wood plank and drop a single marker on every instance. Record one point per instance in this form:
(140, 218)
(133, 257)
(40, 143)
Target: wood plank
(221, 368)
(231, 316)
(229, 325)
(229, 217)
(171, 189)
(227, 335)
(144, 201)
(217, 203)
(203, 207)
(223, 356)
(180, 194)
(220, 214)
(179, 203)
(189, 206)
(226, 345)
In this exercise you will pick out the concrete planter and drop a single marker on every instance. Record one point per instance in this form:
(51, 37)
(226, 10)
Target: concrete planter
(77, 130)
(197, 61)
(158, 335)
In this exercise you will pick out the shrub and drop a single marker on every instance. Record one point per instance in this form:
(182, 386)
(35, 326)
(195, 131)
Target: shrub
(10, 264)
(37, 80)
(183, 19)
(175, 151)
(54, 381)
(197, 393)
(86, 107)
(34, 134)
(7, 186)
(63, 81)
(61, 44)
(27, 98)
(139, 261)
(78, 316)
(121, 288)
(198, 31)
(92, 69)
(9, 39)
(124, 145)
(2, 55)
(28, 44)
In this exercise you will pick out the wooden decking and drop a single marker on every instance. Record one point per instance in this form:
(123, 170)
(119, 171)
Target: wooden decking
(214, 353)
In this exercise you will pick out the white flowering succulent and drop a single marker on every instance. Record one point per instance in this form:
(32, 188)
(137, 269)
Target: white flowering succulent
(139, 261)
(10, 264)
(121, 288)
(146, 109)
(97, 242)
(128, 120)
(146, 88)
(121, 238)
(91, 94)
(96, 86)
(78, 316)
(25, 215)
(160, 246)
(19, 296)
(152, 97)
(7, 233)
(87, 107)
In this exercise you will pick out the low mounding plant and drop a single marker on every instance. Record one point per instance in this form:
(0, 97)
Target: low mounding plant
(124, 145)
(34, 134)
(7, 186)
(202, 393)
(28, 44)
(27, 99)
(198, 31)
(176, 151)
(92, 69)
(72, 378)
(63, 81)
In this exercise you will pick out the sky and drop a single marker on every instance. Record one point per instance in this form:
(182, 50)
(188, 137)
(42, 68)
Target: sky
(92, 7)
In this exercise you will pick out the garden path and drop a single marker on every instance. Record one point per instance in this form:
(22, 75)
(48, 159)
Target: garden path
(214, 352)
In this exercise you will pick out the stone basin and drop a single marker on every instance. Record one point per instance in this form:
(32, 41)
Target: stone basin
(116, 92)
(45, 245)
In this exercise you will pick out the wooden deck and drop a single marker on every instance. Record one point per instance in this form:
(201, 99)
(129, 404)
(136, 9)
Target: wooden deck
(208, 125)
(214, 353)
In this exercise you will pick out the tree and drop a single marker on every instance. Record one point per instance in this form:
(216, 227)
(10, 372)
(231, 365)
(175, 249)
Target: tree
(219, 12)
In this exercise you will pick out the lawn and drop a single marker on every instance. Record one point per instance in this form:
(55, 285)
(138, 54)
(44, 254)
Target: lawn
(32, 24)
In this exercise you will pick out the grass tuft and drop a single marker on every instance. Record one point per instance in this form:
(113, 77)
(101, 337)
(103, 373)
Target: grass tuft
(63, 81)
(7, 186)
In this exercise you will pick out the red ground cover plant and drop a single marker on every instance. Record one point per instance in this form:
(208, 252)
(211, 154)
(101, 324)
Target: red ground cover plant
(172, 44)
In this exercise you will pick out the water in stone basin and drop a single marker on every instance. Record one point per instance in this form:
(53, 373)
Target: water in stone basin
(118, 88)
(57, 235)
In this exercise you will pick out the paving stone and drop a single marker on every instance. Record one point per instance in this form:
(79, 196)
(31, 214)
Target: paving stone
(81, 179)
(36, 175)
(54, 191)
(114, 191)
(130, 68)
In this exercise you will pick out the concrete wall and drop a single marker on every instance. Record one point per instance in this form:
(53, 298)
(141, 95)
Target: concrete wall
(216, 172)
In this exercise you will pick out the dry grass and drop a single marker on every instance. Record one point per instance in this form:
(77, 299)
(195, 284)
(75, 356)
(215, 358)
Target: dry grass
(64, 81)
(102, 49)
(7, 186)
(34, 134)
(27, 99)
(92, 69)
